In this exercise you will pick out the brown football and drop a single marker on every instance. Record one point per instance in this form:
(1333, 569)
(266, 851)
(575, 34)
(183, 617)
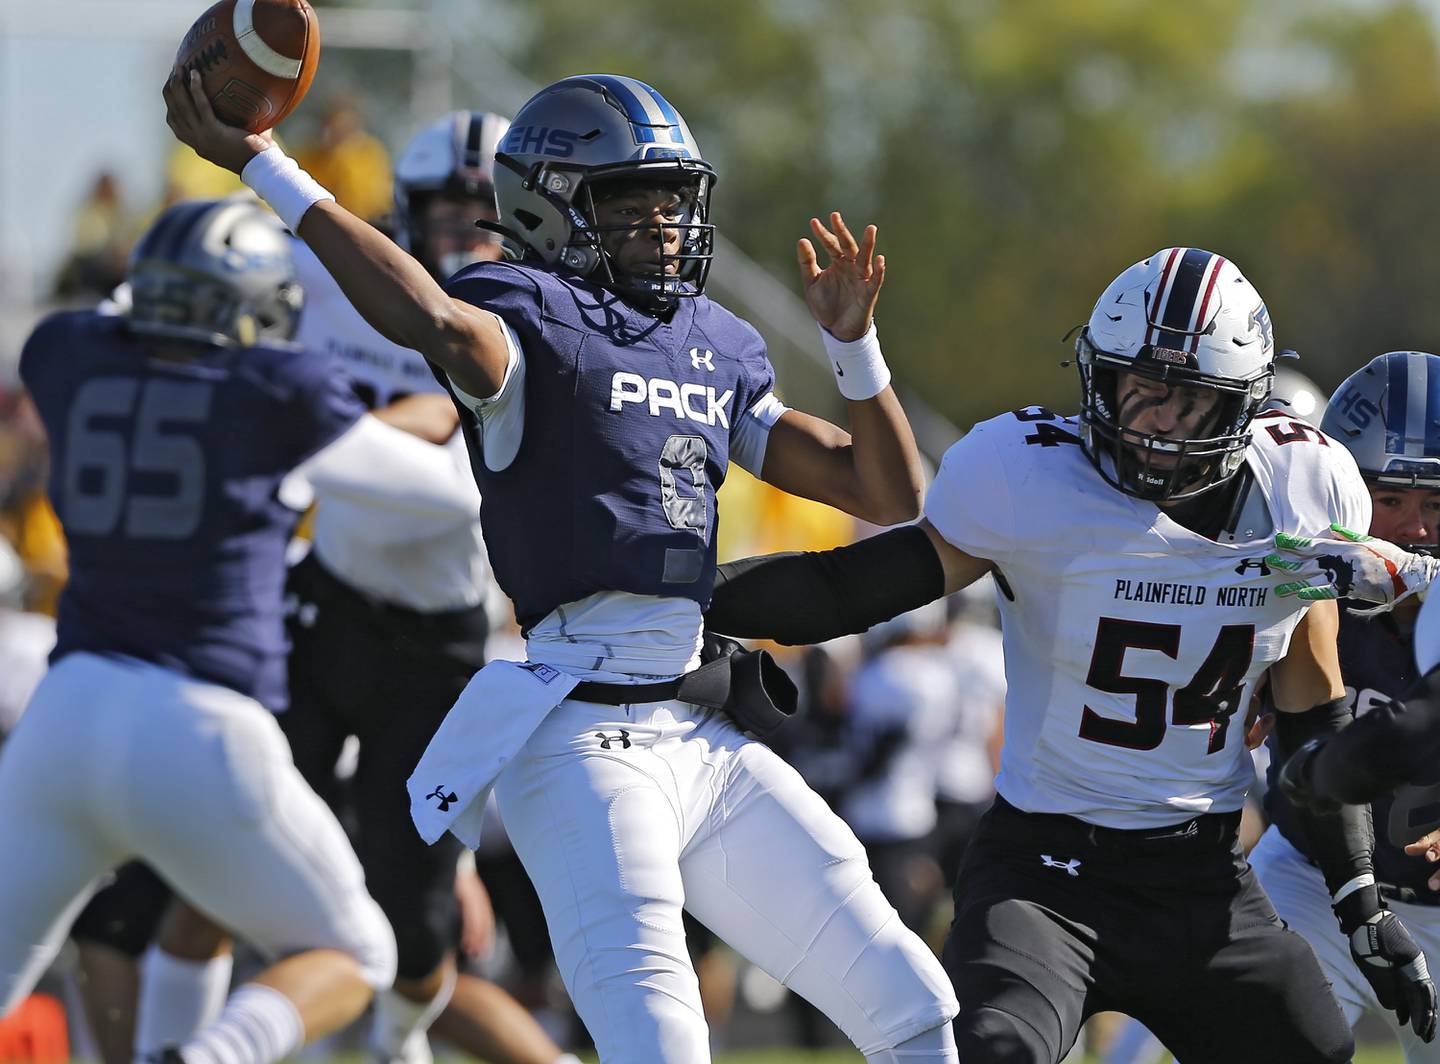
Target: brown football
(256, 58)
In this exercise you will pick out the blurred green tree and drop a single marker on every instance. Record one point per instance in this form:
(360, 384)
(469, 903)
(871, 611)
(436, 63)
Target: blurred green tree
(1019, 154)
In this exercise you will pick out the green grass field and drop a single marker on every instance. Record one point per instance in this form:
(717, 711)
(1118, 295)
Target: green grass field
(1364, 1056)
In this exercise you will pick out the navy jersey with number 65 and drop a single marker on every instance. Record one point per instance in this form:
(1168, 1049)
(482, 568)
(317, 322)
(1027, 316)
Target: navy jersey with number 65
(629, 429)
(164, 476)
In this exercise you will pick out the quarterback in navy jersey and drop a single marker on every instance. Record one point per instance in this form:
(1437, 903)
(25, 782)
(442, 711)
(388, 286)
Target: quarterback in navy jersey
(603, 396)
(1108, 874)
(152, 736)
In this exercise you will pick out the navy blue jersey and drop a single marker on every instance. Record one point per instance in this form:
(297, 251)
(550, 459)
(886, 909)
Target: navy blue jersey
(628, 428)
(1377, 664)
(164, 476)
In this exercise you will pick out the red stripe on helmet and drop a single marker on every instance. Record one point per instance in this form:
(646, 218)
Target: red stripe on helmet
(1205, 303)
(1157, 312)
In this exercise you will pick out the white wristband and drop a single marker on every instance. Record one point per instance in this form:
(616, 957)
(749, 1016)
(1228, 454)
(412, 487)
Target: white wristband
(1360, 882)
(860, 370)
(278, 180)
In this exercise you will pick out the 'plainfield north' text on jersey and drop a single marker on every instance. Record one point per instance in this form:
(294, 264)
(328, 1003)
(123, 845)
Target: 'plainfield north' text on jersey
(629, 426)
(164, 474)
(1131, 643)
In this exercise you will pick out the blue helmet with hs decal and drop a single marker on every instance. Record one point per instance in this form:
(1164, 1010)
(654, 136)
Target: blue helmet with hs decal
(1387, 414)
(584, 135)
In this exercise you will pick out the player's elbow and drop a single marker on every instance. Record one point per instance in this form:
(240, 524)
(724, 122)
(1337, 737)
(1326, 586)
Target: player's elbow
(896, 504)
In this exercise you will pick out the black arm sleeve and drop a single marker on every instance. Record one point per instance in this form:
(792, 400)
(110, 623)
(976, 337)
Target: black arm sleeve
(1393, 744)
(813, 596)
(1342, 843)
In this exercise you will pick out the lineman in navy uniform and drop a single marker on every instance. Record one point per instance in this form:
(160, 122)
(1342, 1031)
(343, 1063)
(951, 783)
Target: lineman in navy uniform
(602, 396)
(171, 428)
(1108, 874)
(1370, 417)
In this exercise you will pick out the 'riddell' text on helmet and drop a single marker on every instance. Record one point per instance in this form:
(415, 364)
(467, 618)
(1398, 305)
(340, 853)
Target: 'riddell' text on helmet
(216, 271)
(594, 129)
(1387, 414)
(1186, 318)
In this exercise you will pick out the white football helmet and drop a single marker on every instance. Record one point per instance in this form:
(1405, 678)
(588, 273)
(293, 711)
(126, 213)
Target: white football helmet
(454, 157)
(1387, 414)
(1185, 317)
(1295, 394)
(593, 130)
(217, 271)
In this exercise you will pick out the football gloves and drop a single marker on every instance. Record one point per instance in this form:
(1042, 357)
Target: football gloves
(1353, 566)
(1392, 964)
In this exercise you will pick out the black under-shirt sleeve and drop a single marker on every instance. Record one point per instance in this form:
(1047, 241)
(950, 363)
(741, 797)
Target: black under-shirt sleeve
(812, 596)
(1393, 744)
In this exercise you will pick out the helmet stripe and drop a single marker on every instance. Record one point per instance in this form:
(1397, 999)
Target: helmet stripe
(648, 118)
(168, 238)
(1180, 307)
(677, 127)
(1419, 396)
(1154, 313)
(1432, 406)
(1216, 263)
(1397, 403)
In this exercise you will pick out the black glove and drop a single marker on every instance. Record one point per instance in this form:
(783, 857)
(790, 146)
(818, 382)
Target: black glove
(1389, 959)
(1296, 779)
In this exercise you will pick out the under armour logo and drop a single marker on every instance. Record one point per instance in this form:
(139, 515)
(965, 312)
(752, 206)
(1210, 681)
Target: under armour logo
(445, 799)
(1072, 866)
(605, 740)
(1253, 563)
(707, 359)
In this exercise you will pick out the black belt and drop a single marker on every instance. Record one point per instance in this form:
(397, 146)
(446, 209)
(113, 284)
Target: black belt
(313, 582)
(1207, 831)
(749, 686)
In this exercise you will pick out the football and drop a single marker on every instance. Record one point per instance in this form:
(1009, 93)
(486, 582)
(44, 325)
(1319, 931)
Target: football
(256, 58)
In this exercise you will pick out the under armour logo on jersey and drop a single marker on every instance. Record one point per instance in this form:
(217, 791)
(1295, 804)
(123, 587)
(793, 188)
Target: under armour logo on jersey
(605, 740)
(690, 402)
(1253, 563)
(707, 359)
(1071, 866)
(445, 799)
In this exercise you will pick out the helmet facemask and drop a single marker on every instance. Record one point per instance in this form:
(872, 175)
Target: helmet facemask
(1148, 465)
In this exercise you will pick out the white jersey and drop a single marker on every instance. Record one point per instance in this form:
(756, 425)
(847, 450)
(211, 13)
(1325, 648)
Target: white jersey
(1131, 643)
(397, 518)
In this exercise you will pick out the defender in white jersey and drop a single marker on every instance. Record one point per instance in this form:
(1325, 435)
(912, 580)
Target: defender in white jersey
(1130, 546)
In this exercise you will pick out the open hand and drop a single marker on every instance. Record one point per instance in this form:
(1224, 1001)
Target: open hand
(841, 296)
(191, 118)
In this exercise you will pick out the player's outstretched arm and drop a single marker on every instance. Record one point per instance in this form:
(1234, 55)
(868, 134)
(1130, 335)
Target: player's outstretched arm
(808, 597)
(390, 289)
(1310, 696)
(873, 471)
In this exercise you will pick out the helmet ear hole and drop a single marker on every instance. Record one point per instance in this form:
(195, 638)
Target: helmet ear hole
(528, 219)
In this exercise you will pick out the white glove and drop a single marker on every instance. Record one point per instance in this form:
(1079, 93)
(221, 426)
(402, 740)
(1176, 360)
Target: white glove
(1352, 566)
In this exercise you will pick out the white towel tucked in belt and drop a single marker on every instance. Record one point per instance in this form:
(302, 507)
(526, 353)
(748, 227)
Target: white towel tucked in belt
(494, 716)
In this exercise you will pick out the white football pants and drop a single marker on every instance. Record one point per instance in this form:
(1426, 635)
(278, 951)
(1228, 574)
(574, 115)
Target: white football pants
(623, 815)
(116, 759)
(1298, 891)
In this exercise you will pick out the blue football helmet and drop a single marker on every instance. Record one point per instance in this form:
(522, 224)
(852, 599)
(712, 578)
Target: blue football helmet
(215, 271)
(588, 131)
(1387, 413)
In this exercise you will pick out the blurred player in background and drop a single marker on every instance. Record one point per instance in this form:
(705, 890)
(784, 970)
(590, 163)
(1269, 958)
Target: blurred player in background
(602, 395)
(1107, 875)
(1383, 415)
(171, 429)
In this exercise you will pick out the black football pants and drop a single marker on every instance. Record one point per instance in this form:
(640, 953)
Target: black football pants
(1056, 920)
